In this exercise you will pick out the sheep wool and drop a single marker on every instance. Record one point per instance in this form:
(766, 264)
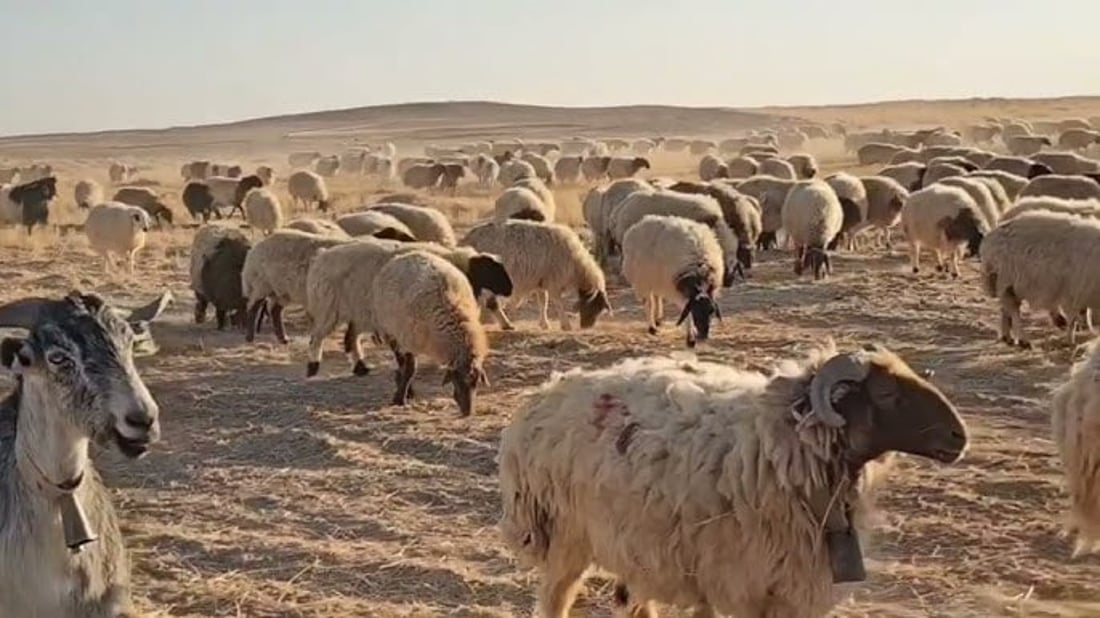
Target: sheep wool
(87, 193)
(263, 210)
(812, 217)
(1062, 186)
(1081, 208)
(520, 203)
(114, 227)
(306, 187)
(319, 227)
(943, 219)
(426, 223)
(375, 223)
(1075, 423)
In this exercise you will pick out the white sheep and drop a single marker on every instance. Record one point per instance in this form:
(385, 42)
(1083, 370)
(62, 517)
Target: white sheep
(987, 205)
(114, 227)
(485, 169)
(777, 168)
(1019, 166)
(1011, 183)
(625, 167)
(120, 172)
(275, 271)
(306, 187)
(1063, 186)
(87, 193)
(700, 147)
(877, 152)
(1025, 145)
(711, 167)
(1067, 163)
(263, 210)
(375, 223)
(540, 189)
(520, 203)
(613, 197)
(1078, 139)
(703, 486)
(1081, 208)
(511, 171)
(1074, 423)
(303, 159)
(805, 165)
(427, 224)
(545, 259)
(544, 171)
(567, 169)
(770, 192)
(425, 307)
(592, 212)
(643, 146)
(943, 219)
(850, 190)
(319, 227)
(909, 175)
(1039, 258)
(679, 260)
(812, 217)
(742, 167)
(885, 199)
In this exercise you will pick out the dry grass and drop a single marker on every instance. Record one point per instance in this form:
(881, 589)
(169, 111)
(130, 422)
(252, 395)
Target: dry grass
(273, 496)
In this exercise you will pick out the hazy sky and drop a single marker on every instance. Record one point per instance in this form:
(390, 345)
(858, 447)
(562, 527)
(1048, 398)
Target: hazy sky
(102, 64)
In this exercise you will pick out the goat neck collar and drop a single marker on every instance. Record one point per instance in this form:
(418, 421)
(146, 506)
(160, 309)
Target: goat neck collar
(41, 480)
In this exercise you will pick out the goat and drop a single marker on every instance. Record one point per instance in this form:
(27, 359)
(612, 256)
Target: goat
(75, 383)
(32, 201)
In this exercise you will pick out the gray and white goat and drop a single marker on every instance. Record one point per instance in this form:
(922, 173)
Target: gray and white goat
(61, 551)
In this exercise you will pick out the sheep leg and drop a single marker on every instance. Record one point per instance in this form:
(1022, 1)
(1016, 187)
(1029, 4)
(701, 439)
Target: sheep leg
(406, 369)
(651, 313)
(201, 303)
(955, 264)
(106, 262)
(544, 302)
(495, 307)
(353, 347)
(704, 611)
(914, 255)
(561, 581)
(1011, 323)
(130, 261)
(277, 323)
(659, 314)
(221, 316)
(253, 318)
(563, 315)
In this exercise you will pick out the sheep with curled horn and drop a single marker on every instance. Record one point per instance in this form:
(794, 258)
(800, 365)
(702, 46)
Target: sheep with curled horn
(61, 550)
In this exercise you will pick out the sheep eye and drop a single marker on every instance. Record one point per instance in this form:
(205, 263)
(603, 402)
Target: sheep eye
(57, 358)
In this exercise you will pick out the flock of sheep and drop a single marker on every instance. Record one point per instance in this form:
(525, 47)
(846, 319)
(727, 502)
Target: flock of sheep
(695, 484)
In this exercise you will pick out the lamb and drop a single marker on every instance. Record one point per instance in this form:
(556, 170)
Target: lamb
(1011, 183)
(699, 208)
(424, 306)
(146, 199)
(375, 223)
(625, 167)
(1018, 166)
(877, 152)
(340, 280)
(520, 203)
(909, 175)
(812, 217)
(199, 202)
(306, 187)
(1037, 257)
(217, 259)
(1063, 186)
(943, 218)
(87, 193)
(426, 223)
(485, 169)
(1078, 139)
(319, 227)
(988, 207)
(594, 168)
(546, 259)
(676, 259)
(711, 167)
(805, 165)
(543, 170)
(275, 269)
(777, 168)
(1067, 162)
(700, 485)
(63, 553)
(1026, 145)
(1073, 423)
(263, 210)
(568, 169)
(114, 227)
(742, 167)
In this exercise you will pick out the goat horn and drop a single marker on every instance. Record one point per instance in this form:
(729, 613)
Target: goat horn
(149, 312)
(840, 368)
(22, 313)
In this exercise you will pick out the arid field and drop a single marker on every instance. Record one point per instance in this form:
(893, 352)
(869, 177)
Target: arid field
(273, 495)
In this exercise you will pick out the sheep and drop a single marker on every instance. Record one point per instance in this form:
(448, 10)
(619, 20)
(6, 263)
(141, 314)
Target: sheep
(114, 227)
(1015, 129)
(198, 201)
(120, 172)
(853, 202)
(943, 139)
(956, 160)
(266, 173)
(676, 259)
(63, 553)
(700, 208)
(1073, 424)
(740, 212)
(426, 223)
(979, 191)
(195, 170)
(263, 210)
(424, 306)
(452, 174)
(520, 203)
(340, 281)
(377, 224)
(592, 212)
(699, 147)
(981, 158)
(87, 193)
(792, 139)
(877, 152)
(1025, 145)
(423, 176)
(1078, 139)
(625, 167)
(943, 218)
(700, 485)
(35, 171)
(353, 161)
(1067, 162)
(27, 204)
(1037, 257)
(594, 168)
(675, 144)
(885, 199)
(1082, 208)
(643, 146)
(485, 169)
(1018, 166)
(909, 175)
(937, 172)
(1011, 183)
(275, 270)
(770, 192)
(778, 168)
(327, 166)
(543, 170)
(759, 151)
(318, 227)
(568, 169)
(742, 167)
(711, 167)
(545, 259)
(511, 171)
(307, 187)
(1063, 186)
(812, 217)
(613, 197)
(146, 199)
(217, 258)
(226, 191)
(805, 165)
(1000, 198)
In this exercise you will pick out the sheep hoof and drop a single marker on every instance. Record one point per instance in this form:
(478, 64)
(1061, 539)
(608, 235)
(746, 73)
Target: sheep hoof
(360, 369)
(312, 368)
(1024, 344)
(691, 343)
(939, 268)
(508, 327)
(916, 270)
(652, 330)
(398, 400)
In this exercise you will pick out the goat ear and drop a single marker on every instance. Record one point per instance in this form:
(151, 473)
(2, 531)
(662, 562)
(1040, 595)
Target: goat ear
(14, 354)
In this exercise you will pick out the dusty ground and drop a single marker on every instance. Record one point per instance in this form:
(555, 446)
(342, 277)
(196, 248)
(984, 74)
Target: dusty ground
(271, 495)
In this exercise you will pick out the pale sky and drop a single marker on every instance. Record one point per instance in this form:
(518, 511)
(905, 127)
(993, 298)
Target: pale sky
(84, 65)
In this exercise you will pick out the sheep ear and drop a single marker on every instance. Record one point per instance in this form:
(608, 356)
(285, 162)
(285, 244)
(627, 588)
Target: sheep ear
(686, 396)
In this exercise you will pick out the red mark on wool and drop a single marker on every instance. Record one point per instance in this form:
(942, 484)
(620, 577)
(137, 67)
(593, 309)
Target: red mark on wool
(605, 409)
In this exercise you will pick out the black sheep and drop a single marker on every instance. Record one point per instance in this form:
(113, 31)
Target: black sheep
(34, 198)
(221, 282)
(199, 201)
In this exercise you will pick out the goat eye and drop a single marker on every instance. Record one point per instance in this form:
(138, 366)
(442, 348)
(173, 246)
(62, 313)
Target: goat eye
(57, 357)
